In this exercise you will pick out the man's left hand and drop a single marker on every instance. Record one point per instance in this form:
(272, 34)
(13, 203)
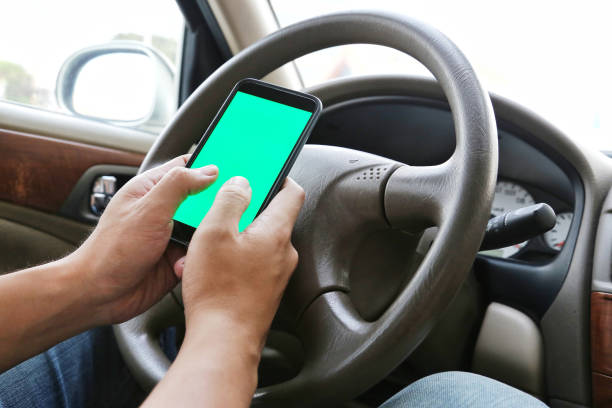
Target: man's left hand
(127, 263)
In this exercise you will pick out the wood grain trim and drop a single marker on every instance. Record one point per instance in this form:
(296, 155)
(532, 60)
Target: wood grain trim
(601, 332)
(602, 391)
(40, 172)
(601, 348)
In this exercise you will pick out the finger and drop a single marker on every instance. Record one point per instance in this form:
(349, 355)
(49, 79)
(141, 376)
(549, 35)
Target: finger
(283, 210)
(179, 267)
(175, 255)
(230, 203)
(156, 173)
(177, 184)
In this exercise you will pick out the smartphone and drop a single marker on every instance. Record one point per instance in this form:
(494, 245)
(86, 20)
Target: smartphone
(258, 133)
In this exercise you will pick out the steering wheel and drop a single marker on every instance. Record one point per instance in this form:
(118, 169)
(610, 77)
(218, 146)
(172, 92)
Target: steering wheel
(349, 195)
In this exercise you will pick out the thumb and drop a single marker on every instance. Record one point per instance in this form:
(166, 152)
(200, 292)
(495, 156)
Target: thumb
(230, 203)
(177, 184)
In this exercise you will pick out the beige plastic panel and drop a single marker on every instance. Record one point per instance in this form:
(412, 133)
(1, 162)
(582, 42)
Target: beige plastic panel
(62, 126)
(23, 247)
(29, 237)
(510, 349)
(245, 21)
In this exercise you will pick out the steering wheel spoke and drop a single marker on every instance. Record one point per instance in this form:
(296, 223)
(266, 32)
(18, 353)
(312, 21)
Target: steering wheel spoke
(331, 331)
(347, 193)
(416, 196)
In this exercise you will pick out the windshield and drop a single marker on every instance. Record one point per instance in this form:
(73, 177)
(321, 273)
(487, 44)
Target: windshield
(553, 57)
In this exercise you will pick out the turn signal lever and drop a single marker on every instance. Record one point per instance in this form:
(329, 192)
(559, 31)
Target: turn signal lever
(518, 226)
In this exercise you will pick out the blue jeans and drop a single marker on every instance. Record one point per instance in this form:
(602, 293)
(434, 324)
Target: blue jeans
(461, 390)
(88, 371)
(84, 371)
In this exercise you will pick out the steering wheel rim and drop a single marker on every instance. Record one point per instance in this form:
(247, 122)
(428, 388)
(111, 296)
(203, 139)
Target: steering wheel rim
(344, 353)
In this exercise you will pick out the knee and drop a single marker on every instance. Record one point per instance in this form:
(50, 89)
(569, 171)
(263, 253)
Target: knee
(461, 389)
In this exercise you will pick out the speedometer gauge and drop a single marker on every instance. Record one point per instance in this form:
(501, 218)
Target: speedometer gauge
(509, 196)
(555, 238)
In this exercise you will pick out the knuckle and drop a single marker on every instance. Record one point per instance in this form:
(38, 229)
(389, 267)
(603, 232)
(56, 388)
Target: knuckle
(216, 232)
(300, 192)
(279, 238)
(293, 257)
(235, 194)
(285, 232)
(178, 174)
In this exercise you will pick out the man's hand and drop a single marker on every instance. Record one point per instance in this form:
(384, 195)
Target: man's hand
(241, 276)
(126, 265)
(232, 285)
(122, 269)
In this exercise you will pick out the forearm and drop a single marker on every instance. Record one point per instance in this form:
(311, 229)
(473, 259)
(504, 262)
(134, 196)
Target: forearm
(40, 307)
(216, 367)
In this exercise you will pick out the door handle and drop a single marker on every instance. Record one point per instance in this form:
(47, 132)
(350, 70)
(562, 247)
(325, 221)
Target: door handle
(103, 189)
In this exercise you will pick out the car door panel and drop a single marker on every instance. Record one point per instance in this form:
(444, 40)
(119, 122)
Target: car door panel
(40, 172)
(23, 246)
(29, 237)
(38, 178)
(26, 119)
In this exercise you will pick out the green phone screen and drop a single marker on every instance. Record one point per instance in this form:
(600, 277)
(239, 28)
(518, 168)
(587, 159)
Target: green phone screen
(253, 139)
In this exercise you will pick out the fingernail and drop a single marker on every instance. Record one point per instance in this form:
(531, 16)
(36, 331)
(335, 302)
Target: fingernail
(209, 170)
(239, 181)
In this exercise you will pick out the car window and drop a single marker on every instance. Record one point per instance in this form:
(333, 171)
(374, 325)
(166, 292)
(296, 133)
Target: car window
(549, 56)
(111, 60)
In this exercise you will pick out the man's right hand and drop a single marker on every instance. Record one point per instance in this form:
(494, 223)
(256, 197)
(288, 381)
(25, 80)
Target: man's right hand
(232, 285)
(240, 277)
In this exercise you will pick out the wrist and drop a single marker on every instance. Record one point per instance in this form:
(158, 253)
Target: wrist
(75, 275)
(223, 348)
(247, 327)
(216, 365)
(216, 330)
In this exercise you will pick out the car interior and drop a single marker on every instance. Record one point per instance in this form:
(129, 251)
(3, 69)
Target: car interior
(446, 228)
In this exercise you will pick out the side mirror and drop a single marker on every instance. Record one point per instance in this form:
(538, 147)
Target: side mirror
(124, 83)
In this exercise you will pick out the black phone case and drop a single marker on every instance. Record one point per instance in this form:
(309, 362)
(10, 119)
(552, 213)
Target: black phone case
(182, 233)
